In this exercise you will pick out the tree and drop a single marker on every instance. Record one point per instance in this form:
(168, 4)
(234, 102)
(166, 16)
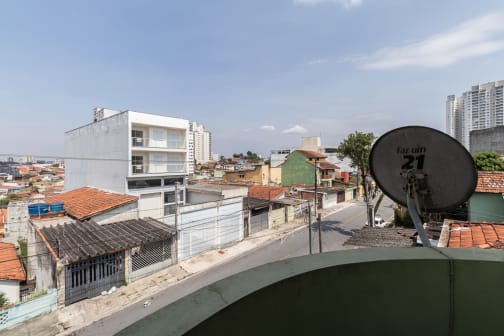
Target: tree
(488, 161)
(357, 147)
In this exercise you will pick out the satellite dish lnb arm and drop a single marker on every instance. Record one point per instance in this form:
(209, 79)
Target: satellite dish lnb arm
(412, 203)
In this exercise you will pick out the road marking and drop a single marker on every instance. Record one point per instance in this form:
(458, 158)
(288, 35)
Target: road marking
(360, 213)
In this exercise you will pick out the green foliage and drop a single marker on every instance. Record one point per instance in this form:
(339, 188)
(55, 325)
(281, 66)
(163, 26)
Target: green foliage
(402, 217)
(3, 300)
(23, 246)
(357, 147)
(488, 161)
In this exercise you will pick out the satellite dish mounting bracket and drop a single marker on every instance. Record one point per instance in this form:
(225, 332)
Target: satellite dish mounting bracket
(416, 185)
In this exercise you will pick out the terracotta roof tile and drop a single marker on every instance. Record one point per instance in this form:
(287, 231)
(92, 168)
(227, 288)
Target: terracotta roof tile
(476, 235)
(266, 192)
(10, 265)
(490, 182)
(86, 202)
(312, 154)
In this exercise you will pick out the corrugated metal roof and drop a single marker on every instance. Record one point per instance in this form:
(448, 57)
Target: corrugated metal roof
(81, 240)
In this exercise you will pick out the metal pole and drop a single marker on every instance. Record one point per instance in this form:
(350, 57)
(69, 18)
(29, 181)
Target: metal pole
(319, 219)
(315, 189)
(369, 206)
(309, 227)
(410, 201)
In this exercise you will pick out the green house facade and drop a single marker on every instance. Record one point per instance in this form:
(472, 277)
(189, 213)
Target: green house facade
(304, 167)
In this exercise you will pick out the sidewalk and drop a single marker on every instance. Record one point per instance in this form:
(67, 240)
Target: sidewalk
(78, 315)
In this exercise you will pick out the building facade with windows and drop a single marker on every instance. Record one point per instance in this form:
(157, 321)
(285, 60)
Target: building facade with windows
(134, 153)
(481, 107)
(202, 143)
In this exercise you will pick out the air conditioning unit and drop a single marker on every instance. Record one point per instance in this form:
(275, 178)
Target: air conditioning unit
(137, 168)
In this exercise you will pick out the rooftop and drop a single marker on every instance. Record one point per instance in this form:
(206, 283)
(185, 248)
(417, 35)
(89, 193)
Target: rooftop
(10, 265)
(266, 192)
(490, 182)
(484, 235)
(383, 237)
(81, 240)
(85, 202)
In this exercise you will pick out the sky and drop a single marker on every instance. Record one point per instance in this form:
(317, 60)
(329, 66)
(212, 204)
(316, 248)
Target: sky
(258, 74)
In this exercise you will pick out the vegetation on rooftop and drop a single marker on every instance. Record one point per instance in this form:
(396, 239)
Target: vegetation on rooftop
(488, 161)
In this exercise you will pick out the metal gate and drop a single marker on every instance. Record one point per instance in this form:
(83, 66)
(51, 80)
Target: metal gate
(87, 279)
(258, 222)
(149, 258)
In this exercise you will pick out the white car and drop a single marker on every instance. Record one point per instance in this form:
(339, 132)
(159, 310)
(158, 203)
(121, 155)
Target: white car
(378, 221)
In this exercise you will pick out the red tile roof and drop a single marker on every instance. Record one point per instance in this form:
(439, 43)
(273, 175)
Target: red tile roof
(476, 235)
(266, 192)
(312, 154)
(10, 266)
(3, 219)
(86, 202)
(490, 182)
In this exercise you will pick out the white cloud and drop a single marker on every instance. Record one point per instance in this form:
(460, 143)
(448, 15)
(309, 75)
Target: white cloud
(477, 37)
(317, 61)
(295, 129)
(345, 3)
(267, 128)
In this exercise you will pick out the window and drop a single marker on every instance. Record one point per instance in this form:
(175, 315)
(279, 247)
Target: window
(139, 184)
(137, 164)
(137, 138)
(169, 196)
(172, 181)
(170, 206)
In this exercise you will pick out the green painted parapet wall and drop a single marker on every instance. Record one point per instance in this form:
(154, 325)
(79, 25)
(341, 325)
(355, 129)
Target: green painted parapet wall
(378, 291)
(486, 207)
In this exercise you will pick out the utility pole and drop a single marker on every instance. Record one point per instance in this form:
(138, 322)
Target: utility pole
(317, 216)
(319, 220)
(176, 219)
(309, 227)
(369, 206)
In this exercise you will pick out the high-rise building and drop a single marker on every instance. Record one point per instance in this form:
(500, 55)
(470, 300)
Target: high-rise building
(129, 152)
(480, 108)
(202, 142)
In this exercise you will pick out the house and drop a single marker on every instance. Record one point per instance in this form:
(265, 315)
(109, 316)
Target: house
(211, 218)
(481, 235)
(82, 259)
(487, 202)
(255, 174)
(308, 167)
(11, 272)
(99, 205)
(134, 153)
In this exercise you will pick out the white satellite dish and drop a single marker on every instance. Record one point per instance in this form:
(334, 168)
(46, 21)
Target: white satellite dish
(423, 169)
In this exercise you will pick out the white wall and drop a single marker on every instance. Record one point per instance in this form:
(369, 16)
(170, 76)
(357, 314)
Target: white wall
(208, 226)
(11, 290)
(17, 222)
(97, 155)
(125, 212)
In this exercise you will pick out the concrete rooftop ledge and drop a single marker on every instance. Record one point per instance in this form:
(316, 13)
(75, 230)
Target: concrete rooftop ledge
(392, 291)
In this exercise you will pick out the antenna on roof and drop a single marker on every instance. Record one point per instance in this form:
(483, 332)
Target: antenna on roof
(422, 169)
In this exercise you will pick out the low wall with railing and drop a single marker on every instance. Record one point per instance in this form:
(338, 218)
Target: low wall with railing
(27, 310)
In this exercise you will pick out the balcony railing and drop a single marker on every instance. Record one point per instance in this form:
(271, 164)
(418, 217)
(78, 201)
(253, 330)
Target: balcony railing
(149, 143)
(158, 168)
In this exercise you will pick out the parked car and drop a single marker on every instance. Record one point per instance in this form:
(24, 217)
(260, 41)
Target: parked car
(378, 221)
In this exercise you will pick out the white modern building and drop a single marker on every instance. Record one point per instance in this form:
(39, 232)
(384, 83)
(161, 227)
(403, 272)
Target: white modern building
(480, 108)
(202, 143)
(134, 153)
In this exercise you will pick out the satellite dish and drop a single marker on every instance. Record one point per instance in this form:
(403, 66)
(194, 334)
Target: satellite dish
(440, 169)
